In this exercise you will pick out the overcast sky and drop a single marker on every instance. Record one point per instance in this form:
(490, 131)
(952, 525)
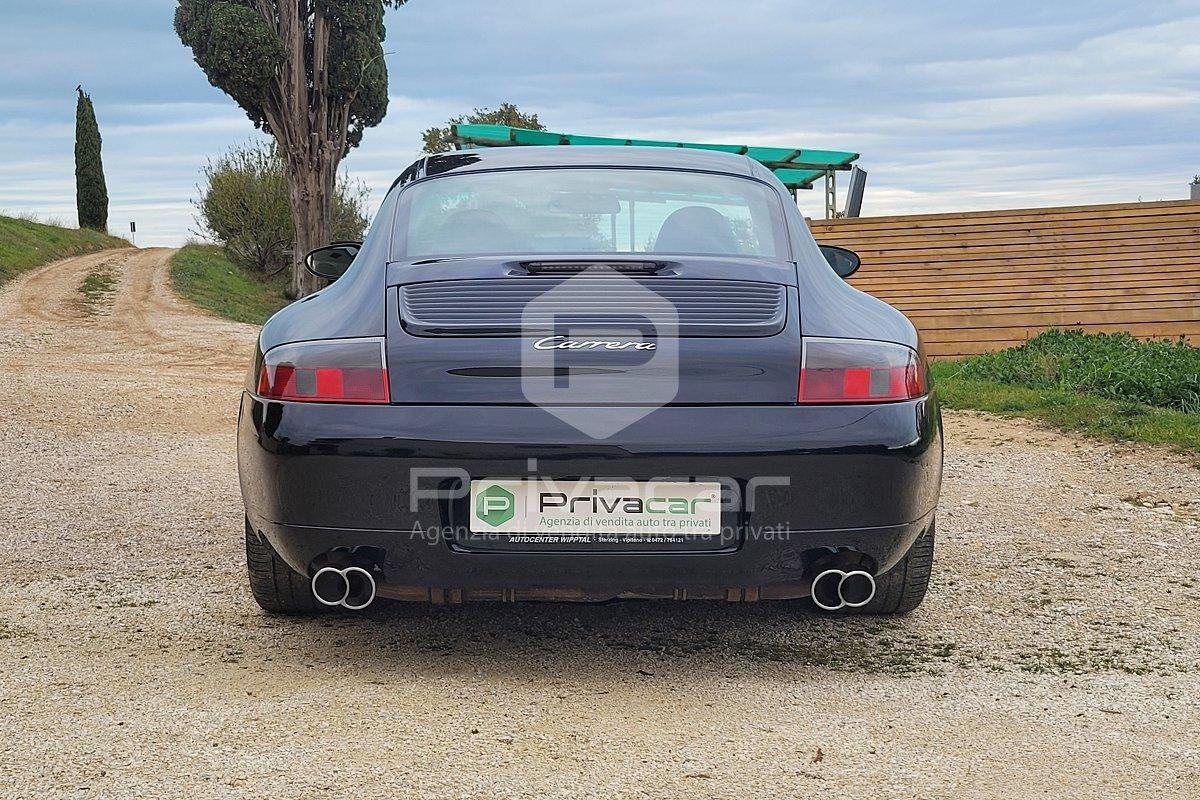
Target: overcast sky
(952, 105)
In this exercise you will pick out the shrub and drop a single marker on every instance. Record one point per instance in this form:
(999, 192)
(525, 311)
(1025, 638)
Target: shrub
(244, 206)
(439, 140)
(1112, 365)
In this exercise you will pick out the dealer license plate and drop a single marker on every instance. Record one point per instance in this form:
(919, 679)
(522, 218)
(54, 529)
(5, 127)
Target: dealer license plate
(595, 511)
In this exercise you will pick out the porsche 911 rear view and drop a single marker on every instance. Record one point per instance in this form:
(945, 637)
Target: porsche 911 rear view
(586, 374)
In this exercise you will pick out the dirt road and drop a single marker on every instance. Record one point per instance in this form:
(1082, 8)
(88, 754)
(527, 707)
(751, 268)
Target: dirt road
(1057, 655)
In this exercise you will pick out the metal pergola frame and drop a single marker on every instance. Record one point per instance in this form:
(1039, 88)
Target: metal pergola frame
(797, 168)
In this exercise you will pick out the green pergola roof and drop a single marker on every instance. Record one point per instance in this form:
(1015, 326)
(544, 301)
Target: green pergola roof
(797, 168)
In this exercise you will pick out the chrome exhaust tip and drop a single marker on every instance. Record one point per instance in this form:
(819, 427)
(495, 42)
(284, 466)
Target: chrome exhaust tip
(825, 592)
(330, 586)
(857, 588)
(360, 588)
(835, 589)
(351, 588)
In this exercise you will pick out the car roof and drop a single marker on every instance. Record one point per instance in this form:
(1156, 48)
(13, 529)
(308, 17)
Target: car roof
(486, 158)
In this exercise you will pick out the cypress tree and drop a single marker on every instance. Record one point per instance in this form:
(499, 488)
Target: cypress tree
(91, 194)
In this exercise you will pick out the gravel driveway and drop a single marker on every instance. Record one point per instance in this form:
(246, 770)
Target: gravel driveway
(1056, 655)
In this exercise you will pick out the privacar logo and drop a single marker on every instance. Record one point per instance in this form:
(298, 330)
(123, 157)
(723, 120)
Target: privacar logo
(495, 505)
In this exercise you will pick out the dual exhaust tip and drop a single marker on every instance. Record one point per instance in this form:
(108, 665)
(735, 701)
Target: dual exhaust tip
(351, 588)
(835, 589)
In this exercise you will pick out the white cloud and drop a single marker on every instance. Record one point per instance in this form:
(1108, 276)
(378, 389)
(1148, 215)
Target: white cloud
(1134, 58)
(966, 105)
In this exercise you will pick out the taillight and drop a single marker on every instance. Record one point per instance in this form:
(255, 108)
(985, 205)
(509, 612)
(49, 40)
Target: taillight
(860, 371)
(334, 371)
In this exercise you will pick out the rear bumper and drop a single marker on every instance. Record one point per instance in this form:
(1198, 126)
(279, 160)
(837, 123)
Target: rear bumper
(317, 477)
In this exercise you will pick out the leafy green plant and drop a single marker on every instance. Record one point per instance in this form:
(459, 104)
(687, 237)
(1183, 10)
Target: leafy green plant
(244, 205)
(1115, 366)
(439, 140)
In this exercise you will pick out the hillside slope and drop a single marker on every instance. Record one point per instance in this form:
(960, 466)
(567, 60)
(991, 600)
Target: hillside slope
(25, 245)
(204, 275)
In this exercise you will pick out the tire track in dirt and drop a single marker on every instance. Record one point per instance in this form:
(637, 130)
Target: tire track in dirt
(170, 364)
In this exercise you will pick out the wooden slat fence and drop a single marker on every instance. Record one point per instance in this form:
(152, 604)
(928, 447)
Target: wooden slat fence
(985, 280)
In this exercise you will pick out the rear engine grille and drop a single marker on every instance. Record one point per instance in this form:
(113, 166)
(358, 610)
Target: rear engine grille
(496, 307)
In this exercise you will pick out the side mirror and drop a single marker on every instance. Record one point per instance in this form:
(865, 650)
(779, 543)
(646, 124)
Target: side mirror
(332, 260)
(844, 262)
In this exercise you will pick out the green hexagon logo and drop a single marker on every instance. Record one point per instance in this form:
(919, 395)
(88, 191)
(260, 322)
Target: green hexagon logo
(495, 505)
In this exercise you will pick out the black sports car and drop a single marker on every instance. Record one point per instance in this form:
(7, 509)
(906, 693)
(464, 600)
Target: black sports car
(573, 373)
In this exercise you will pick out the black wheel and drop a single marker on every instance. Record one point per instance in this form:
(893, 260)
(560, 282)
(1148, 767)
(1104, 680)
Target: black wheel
(277, 587)
(903, 587)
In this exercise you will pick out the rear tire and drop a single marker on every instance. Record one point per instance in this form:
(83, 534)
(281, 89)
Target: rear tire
(277, 587)
(903, 587)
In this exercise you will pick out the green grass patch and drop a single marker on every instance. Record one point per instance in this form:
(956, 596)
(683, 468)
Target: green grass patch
(25, 244)
(1112, 365)
(204, 275)
(1107, 385)
(97, 289)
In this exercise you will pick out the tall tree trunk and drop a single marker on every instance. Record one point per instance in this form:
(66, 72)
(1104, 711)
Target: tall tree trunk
(312, 133)
(310, 180)
(310, 148)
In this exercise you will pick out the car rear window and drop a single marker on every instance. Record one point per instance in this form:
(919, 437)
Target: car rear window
(570, 210)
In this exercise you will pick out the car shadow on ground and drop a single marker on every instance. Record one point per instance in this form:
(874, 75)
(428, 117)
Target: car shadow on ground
(585, 637)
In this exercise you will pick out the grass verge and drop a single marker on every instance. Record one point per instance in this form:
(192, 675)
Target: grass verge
(1106, 385)
(204, 275)
(25, 244)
